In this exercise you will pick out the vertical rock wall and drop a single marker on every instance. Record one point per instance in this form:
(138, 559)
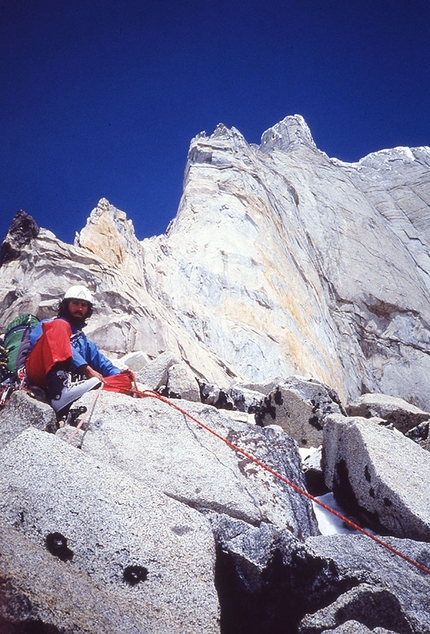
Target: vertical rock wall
(280, 261)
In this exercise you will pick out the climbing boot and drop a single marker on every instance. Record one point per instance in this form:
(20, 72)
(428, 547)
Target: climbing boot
(62, 392)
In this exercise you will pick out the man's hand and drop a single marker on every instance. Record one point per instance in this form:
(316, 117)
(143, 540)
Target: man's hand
(88, 372)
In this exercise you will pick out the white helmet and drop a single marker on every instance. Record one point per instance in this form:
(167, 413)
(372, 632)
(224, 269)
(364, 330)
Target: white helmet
(79, 292)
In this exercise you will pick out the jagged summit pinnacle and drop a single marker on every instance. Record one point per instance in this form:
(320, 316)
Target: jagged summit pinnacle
(288, 134)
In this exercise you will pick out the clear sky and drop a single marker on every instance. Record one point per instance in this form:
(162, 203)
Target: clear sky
(100, 98)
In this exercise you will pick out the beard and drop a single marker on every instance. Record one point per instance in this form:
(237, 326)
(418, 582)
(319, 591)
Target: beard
(75, 320)
(78, 322)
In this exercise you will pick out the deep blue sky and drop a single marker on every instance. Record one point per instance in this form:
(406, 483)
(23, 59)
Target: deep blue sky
(101, 98)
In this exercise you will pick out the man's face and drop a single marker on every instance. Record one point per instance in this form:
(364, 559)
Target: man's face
(78, 310)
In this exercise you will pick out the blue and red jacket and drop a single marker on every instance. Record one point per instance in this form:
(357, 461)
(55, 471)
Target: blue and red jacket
(84, 351)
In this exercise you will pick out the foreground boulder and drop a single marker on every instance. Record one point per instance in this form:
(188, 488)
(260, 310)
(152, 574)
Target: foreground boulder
(378, 474)
(166, 450)
(379, 604)
(41, 593)
(329, 582)
(22, 411)
(154, 554)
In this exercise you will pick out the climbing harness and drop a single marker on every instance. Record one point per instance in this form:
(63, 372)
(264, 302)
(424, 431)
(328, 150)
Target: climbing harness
(135, 392)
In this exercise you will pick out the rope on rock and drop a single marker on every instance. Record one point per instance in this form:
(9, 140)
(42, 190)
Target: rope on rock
(381, 542)
(131, 389)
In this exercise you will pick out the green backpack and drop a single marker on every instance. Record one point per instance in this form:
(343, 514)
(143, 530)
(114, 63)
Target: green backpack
(17, 340)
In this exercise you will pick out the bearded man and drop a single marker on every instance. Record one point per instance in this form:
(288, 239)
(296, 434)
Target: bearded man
(60, 350)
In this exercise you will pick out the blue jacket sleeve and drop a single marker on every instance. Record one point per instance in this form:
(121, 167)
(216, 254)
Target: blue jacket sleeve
(86, 352)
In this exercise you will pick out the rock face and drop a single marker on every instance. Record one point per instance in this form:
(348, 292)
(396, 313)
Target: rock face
(286, 306)
(280, 261)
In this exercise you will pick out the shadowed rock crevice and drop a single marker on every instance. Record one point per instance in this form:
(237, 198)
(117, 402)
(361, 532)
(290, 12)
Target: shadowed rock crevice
(214, 507)
(29, 627)
(18, 615)
(371, 606)
(346, 497)
(277, 600)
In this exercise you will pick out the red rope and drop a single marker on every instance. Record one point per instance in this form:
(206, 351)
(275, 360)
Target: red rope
(150, 393)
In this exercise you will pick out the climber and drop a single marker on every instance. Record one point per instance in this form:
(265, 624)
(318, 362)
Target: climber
(59, 350)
